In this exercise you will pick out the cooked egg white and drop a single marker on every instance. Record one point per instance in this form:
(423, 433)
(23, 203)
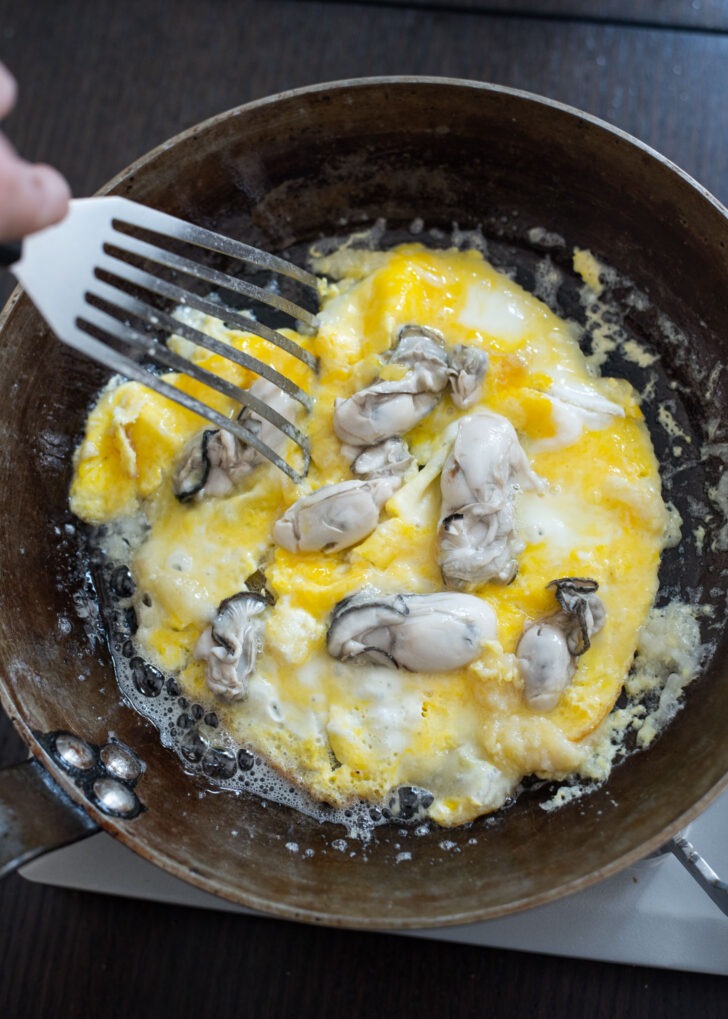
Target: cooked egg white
(346, 731)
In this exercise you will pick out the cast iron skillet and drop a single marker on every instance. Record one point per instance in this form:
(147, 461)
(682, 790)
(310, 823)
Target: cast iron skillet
(280, 173)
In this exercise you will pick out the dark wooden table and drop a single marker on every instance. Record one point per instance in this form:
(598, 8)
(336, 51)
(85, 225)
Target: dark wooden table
(101, 83)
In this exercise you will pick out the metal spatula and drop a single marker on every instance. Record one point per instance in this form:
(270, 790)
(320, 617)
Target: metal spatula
(107, 279)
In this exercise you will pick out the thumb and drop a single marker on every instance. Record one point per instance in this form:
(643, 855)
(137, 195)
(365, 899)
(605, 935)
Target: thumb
(31, 196)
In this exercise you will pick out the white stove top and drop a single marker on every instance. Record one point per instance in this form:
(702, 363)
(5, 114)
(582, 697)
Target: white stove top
(653, 914)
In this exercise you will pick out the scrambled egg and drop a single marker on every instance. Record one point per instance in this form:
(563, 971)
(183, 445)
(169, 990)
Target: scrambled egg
(345, 731)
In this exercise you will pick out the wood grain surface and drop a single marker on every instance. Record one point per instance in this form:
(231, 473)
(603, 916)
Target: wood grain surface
(100, 83)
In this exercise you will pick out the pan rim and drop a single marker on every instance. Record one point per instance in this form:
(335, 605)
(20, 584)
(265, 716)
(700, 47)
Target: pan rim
(284, 911)
(397, 80)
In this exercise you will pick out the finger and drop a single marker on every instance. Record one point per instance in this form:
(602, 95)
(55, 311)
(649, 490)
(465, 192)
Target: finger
(8, 91)
(31, 197)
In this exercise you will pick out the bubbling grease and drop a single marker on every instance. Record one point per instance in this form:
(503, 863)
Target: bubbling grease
(190, 729)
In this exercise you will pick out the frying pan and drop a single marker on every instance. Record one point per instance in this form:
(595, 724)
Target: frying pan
(280, 173)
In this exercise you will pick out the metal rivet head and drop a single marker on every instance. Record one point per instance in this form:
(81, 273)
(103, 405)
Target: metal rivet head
(120, 762)
(73, 752)
(115, 798)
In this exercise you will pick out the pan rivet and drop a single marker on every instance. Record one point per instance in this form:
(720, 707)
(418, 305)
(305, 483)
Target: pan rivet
(115, 798)
(73, 752)
(120, 762)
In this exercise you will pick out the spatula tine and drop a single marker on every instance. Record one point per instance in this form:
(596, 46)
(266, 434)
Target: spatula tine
(213, 277)
(156, 319)
(162, 288)
(165, 225)
(105, 320)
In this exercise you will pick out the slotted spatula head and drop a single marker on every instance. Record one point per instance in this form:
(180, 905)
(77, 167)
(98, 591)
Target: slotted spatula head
(108, 277)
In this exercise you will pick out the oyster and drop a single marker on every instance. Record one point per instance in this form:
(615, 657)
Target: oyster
(334, 517)
(389, 408)
(548, 649)
(467, 368)
(422, 350)
(384, 460)
(231, 643)
(214, 462)
(211, 464)
(485, 468)
(418, 632)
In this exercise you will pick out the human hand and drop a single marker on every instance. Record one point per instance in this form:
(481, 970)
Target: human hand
(31, 195)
